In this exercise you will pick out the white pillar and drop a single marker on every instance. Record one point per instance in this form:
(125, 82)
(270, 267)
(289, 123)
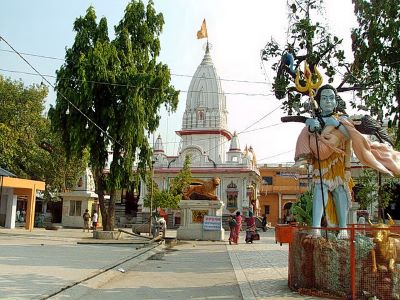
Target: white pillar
(11, 211)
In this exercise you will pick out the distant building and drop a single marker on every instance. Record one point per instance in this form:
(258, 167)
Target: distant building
(81, 197)
(280, 188)
(213, 149)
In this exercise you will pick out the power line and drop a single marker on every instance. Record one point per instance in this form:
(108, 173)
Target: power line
(172, 74)
(272, 156)
(243, 132)
(34, 55)
(69, 102)
(133, 86)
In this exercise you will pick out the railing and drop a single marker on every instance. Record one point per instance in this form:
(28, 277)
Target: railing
(363, 266)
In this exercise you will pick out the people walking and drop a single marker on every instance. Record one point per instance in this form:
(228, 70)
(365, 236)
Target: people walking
(86, 218)
(95, 217)
(238, 226)
(264, 223)
(232, 228)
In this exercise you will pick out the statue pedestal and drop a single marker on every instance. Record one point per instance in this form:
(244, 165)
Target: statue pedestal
(192, 225)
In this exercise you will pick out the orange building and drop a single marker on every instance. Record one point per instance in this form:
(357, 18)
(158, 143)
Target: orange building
(10, 188)
(281, 185)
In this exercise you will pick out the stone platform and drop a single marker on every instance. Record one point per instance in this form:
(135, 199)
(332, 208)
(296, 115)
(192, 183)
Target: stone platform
(192, 227)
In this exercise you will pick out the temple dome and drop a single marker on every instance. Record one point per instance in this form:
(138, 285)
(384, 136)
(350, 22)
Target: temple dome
(235, 146)
(158, 147)
(205, 102)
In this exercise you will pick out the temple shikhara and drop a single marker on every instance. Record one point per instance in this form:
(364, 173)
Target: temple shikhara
(214, 150)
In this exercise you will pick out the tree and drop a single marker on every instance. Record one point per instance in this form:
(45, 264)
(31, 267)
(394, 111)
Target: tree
(302, 209)
(27, 146)
(113, 91)
(21, 120)
(309, 41)
(171, 197)
(376, 48)
(370, 190)
(367, 191)
(182, 181)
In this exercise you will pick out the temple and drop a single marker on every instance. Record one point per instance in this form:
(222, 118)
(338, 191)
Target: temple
(213, 149)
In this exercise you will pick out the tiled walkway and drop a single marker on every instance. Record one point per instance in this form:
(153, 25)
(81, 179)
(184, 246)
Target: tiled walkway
(261, 268)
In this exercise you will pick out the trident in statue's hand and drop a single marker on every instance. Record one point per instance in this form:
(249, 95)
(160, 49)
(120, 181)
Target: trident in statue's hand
(312, 83)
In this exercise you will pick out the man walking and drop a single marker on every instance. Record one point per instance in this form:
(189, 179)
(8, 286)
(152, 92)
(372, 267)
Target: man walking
(86, 218)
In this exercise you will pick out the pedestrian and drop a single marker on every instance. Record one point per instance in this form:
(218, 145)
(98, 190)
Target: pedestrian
(86, 218)
(18, 215)
(163, 226)
(23, 214)
(95, 217)
(264, 223)
(238, 226)
(250, 228)
(232, 228)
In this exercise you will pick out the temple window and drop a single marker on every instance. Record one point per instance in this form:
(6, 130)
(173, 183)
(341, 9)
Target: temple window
(232, 195)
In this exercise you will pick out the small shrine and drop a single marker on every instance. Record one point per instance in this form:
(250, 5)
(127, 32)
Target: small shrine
(75, 202)
(201, 213)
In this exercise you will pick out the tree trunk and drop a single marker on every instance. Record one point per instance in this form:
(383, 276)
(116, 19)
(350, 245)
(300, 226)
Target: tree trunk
(100, 188)
(110, 212)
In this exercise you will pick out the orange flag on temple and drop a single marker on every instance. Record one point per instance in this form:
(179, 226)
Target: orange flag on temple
(202, 33)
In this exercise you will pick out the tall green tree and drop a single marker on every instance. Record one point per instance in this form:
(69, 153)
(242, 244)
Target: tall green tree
(21, 119)
(28, 148)
(376, 48)
(113, 91)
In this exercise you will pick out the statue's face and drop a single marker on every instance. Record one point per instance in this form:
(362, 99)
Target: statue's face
(327, 101)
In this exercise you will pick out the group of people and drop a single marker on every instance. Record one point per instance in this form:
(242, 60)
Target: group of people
(235, 225)
(86, 218)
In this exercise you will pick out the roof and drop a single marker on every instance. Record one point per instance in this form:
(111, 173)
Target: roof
(5, 173)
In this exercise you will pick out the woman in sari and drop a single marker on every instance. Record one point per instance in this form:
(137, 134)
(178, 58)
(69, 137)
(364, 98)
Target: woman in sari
(238, 226)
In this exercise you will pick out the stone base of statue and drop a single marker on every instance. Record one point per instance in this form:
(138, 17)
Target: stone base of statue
(323, 267)
(201, 220)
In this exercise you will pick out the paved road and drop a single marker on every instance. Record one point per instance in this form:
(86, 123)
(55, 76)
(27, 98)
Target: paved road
(39, 264)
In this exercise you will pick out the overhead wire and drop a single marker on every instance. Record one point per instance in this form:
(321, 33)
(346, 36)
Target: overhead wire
(62, 95)
(172, 74)
(132, 86)
(241, 132)
(43, 76)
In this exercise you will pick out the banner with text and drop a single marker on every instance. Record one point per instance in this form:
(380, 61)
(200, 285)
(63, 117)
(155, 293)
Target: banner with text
(212, 223)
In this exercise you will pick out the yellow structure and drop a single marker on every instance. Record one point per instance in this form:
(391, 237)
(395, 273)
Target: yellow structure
(11, 188)
(280, 188)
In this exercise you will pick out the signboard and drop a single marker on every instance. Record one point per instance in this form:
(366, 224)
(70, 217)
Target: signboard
(212, 223)
(288, 174)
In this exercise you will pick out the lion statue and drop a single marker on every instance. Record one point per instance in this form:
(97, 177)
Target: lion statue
(203, 191)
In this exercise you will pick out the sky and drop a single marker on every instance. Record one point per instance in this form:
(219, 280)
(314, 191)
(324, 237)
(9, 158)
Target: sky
(238, 31)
